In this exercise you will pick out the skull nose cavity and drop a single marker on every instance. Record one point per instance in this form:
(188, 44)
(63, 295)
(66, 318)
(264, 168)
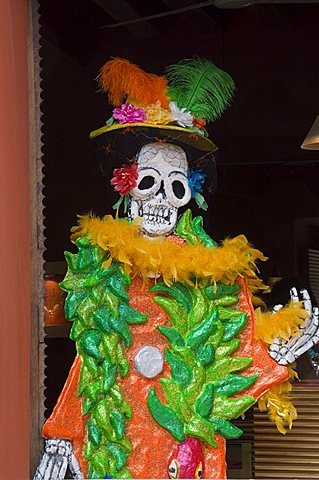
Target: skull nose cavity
(161, 190)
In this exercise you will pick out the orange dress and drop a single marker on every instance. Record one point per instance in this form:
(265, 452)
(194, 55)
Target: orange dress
(152, 444)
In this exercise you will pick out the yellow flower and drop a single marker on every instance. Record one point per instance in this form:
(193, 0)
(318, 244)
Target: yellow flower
(157, 115)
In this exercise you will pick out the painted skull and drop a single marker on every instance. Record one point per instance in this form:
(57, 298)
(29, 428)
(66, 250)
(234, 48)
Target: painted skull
(162, 187)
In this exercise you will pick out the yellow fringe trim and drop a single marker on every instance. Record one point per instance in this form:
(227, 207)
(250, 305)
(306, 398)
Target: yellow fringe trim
(163, 256)
(283, 324)
(277, 402)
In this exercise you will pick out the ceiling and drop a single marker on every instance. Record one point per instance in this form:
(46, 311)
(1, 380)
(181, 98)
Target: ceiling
(270, 50)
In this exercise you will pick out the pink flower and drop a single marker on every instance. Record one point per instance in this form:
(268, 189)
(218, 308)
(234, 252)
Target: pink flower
(129, 114)
(125, 178)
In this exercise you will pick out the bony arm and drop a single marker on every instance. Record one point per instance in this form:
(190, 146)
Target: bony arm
(58, 456)
(285, 352)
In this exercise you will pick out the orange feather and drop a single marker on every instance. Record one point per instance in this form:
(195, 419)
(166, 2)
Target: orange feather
(122, 79)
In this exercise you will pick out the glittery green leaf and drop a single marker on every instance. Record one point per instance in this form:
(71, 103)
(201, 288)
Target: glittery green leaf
(206, 354)
(220, 290)
(94, 433)
(98, 462)
(180, 372)
(225, 428)
(223, 367)
(101, 320)
(77, 329)
(198, 229)
(177, 313)
(226, 300)
(172, 335)
(229, 313)
(89, 344)
(165, 416)
(172, 392)
(204, 403)
(198, 335)
(233, 327)
(202, 429)
(227, 349)
(109, 375)
(89, 449)
(117, 420)
(123, 473)
(72, 302)
(185, 230)
(129, 314)
(232, 384)
(177, 291)
(119, 454)
(231, 408)
(120, 326)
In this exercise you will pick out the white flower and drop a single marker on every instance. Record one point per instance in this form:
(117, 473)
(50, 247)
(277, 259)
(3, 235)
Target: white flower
(181, 116)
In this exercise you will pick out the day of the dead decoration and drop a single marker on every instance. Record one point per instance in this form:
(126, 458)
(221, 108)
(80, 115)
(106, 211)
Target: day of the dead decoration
(169, 348)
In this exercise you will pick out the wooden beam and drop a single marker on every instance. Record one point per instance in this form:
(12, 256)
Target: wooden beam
(122, 11)
(199, 15)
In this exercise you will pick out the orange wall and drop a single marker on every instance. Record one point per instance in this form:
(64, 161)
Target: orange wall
(14, 243)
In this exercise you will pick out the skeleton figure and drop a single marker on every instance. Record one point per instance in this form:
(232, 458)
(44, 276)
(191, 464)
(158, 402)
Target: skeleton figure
(162, 188)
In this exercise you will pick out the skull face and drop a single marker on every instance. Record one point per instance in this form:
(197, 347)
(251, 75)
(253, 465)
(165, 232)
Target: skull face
(162, 187)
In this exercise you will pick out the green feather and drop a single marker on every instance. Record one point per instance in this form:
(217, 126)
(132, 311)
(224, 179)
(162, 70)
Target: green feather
(200, 87)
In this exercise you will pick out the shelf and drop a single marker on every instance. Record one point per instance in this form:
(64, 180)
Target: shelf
(57, 331)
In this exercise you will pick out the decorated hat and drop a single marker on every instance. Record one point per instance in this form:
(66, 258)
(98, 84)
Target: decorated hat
(174, 108)
(192, 93)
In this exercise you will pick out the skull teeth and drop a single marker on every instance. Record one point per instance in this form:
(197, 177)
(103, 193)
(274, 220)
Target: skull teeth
(157, 214)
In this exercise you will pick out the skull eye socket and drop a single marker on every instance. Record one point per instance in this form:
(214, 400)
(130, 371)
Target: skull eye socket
(178, 189)
(146, 183)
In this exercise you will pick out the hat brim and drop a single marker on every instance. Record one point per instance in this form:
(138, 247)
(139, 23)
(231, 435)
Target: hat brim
(119, 145)
(184, 135)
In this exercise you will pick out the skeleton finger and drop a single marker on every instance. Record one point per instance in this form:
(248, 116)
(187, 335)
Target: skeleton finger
(276, 308)
(59, 468)
(306, 301)
(44, 466)
(294, 295)
(306, 346)
(75, 468)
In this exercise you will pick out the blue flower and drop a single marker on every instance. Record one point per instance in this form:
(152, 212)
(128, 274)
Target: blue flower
(196, 179)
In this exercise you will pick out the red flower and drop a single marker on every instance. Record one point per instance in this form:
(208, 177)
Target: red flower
(125, 178)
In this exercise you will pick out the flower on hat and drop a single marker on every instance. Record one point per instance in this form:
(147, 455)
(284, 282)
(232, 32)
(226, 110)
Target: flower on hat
(157, 115)
(128, 113)
(125, 178)
(181, 115)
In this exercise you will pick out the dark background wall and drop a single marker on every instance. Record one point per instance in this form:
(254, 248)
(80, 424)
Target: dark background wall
(265, 181)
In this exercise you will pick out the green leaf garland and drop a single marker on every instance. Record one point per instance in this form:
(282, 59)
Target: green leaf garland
(97, 304)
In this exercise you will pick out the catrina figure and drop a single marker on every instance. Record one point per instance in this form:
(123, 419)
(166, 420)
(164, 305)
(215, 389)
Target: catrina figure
(169, 347)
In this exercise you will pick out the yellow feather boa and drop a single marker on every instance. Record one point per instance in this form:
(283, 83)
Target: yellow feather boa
(277, 402)
(163, 256)
(283, 324)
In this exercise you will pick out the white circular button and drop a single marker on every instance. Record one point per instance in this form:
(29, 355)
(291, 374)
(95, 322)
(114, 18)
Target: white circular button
(149, 362)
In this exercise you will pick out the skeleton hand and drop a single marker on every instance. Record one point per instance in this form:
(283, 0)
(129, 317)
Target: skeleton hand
(58, 456)
(287, 351)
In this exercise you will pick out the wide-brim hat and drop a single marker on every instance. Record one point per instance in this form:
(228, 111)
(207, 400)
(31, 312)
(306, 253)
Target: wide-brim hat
(174, 108)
